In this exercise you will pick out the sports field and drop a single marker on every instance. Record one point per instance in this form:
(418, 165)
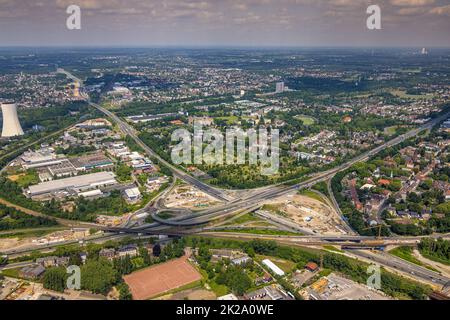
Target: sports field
(155, 280)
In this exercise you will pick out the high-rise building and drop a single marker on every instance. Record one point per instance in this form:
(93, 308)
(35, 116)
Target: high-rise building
(11, 124)
(279, 87)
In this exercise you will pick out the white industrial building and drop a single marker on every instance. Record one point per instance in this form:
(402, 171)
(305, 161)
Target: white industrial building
(43, 157)
(11, 124)
(132, 194)
(73, 185)
(273, 267)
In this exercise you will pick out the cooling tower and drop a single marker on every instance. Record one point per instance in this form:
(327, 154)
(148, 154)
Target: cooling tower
(11, 124)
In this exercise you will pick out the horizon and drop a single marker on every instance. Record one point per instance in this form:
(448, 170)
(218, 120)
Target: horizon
(229, 23)
(262, 47)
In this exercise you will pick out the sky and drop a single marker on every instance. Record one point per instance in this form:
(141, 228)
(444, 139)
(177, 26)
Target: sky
(248, 23)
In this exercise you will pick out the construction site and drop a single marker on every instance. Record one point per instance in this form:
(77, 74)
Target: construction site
(189, 197)
(308, 213)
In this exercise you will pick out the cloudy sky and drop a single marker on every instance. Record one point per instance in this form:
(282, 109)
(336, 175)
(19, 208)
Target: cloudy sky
(225, 23)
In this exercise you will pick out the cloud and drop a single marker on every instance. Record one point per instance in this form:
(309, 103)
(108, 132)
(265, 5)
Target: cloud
(87, 4)
(411, 11)
(441, 11)
(412, 3)
(347, 3)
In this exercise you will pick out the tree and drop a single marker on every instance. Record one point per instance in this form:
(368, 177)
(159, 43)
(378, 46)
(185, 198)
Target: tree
(236, 279)
(55, 279)
(204, 254)
(75, 259)
(98, 276)
(123, 265)
(157, 250)
(143, 252)
(437, 249)
(124, 292)
(251, 252)
(443, 208)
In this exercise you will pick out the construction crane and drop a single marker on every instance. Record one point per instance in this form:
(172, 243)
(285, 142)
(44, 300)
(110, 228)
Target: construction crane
(379, 226)
(378, 242)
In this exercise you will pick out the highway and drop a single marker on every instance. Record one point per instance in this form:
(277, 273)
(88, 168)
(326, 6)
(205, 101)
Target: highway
(232, 206)
(129, 130)
(396, 263)
(389, 261)
(112, 233)
(277, 191)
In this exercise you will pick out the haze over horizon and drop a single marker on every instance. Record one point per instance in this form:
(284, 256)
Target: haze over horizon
(212, 23)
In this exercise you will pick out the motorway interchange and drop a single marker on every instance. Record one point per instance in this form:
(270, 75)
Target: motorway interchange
(192, 223)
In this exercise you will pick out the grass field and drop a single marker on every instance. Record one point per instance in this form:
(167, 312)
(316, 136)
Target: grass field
(263, 231)
(218, 289)
(22, 234)
(307, 120)
(332, 248)
(274, 208)
(25, 180)
(406, 253)
(313, 195)
(230, 120)
(248, 217)
(286, 265)
(165, 215)
(433, 258)
(390, 130)
(12, 273)
(402, 94)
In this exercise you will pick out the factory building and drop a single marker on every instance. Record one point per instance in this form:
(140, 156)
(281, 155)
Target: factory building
(132, 195)
(273, 267)
(148, 118)
(72, 186)
(11, 124)
(92, 161)
(43, 157)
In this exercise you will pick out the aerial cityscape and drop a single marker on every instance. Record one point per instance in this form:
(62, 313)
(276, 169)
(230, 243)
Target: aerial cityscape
(174, 170)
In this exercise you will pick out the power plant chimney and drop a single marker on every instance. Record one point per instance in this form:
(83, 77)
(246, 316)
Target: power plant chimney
(11, 124)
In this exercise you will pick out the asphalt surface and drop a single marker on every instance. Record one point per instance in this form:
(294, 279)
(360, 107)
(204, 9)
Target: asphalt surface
(404, 266)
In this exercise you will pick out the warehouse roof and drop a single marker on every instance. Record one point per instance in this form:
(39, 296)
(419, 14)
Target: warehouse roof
(78, 182)
(273, 267)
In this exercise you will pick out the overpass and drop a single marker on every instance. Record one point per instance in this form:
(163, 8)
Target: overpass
(256, 199)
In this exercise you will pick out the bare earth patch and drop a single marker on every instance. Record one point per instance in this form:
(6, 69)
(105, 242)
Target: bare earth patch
(309, 213)
(156, 280)
(189, 197)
